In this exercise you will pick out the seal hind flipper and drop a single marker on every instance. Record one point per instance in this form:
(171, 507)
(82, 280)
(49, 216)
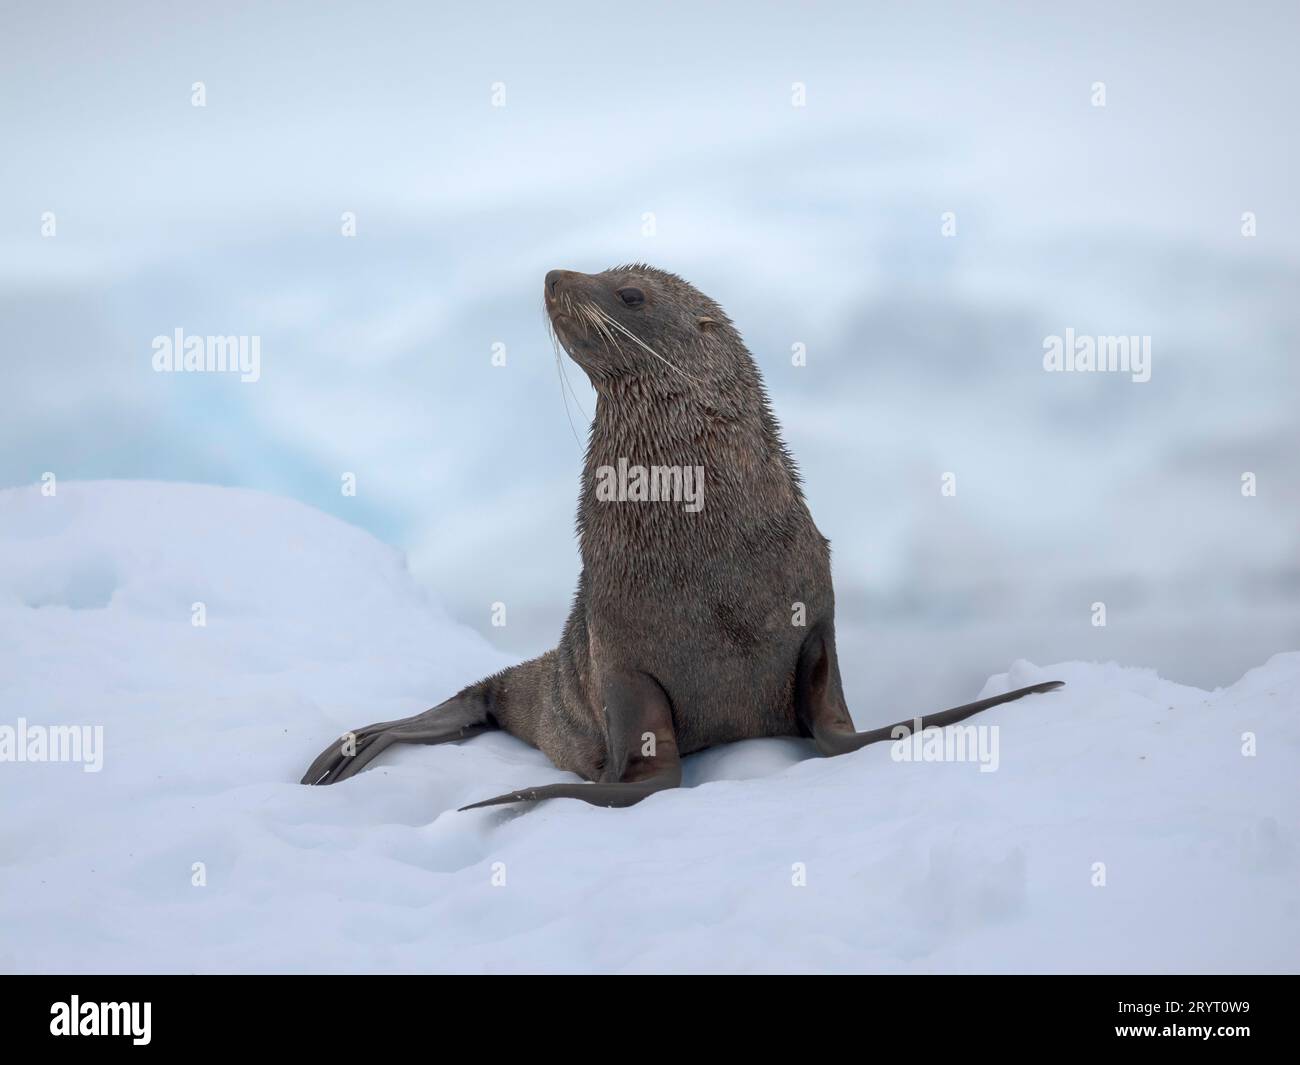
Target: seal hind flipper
(459, 718)
(618, 793)
(641, 749)
(823, 713)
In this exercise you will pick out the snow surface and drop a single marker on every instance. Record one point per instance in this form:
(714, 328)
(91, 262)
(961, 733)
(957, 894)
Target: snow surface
(313, 627)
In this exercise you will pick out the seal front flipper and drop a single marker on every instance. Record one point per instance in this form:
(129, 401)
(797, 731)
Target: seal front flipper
(641, 754)
(459, 718)
(824, 715)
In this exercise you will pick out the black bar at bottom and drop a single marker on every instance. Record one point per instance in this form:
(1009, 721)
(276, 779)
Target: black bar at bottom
(379, 1014)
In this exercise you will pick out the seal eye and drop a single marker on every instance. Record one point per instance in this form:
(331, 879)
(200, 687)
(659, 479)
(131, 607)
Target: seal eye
(633, 297)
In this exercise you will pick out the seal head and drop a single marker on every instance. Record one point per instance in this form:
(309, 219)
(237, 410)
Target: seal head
(639, 320)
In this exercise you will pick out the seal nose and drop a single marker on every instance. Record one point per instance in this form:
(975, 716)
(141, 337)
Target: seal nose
(552, 281)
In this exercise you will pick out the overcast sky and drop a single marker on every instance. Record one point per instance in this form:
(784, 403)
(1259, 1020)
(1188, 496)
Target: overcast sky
(817, 225)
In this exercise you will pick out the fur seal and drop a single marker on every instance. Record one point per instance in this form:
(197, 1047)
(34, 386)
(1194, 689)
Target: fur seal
(686, 625)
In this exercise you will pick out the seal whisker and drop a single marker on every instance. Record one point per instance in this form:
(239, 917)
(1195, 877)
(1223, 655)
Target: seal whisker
(600, 326)
(588, 315)
(559, 361)
(564, 380)
(637, 340)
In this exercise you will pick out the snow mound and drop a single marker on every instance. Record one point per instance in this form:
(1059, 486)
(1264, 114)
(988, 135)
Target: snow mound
(193, 849)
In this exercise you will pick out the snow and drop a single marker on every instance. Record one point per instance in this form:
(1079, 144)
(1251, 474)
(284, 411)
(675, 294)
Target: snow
(313, 627)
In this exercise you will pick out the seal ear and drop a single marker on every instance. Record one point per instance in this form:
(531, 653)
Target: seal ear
(706, 323)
